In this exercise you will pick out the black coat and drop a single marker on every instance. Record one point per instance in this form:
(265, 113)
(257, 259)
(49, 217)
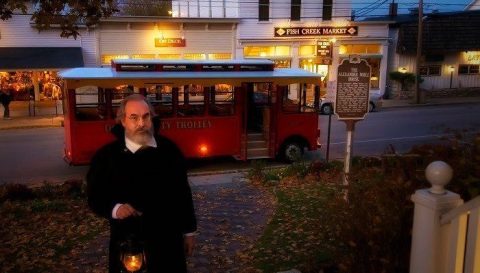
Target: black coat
(154, 181)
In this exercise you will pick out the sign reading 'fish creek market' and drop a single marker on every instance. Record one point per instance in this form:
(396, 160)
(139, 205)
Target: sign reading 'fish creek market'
(316, 31)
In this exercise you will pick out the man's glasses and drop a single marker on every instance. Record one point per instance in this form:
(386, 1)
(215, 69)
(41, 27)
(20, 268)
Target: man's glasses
(136, 118)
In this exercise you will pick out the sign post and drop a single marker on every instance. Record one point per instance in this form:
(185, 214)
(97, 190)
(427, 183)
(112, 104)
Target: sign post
(351, 101)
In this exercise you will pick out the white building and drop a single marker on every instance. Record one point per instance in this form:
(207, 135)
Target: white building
(311, 34)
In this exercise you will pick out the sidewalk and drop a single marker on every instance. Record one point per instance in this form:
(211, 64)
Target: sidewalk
(47, 115)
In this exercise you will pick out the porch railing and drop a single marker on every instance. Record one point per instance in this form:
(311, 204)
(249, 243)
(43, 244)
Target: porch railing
(446, 232)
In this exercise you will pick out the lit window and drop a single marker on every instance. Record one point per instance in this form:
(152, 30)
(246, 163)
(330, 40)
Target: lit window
(106, 59)
(143, 56)
(194, 56)
(266, 51)
(307, 50)
(169, 56)
(360, 49)
(219, 56)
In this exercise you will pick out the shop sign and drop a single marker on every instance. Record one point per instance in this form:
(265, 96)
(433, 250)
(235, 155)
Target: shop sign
(324, 52)
(315, 31)
(324, 49)
(170, 42)
(353, 89)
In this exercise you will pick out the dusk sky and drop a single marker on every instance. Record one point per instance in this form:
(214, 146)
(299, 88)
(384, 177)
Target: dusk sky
(380, 7)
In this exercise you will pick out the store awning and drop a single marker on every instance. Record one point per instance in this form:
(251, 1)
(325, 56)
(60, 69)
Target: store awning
(47, 58)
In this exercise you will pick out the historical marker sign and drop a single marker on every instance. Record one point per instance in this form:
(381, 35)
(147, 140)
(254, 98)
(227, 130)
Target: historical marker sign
(353, 86)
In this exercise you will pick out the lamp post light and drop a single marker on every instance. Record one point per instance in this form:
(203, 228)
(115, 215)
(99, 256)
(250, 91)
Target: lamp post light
(451, 69)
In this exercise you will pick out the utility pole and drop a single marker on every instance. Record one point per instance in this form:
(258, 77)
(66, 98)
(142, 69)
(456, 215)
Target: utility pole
(419, 52)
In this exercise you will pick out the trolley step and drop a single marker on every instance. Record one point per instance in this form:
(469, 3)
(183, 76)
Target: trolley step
(255, 137)
(257, 144)
(257, 153)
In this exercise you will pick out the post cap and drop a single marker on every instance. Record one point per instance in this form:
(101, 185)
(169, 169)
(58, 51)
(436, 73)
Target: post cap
(438, 173)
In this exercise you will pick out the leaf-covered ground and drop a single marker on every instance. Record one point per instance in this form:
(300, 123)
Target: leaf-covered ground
(62, 235)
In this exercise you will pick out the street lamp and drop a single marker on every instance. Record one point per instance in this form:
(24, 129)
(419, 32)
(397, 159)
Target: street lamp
(451, 69)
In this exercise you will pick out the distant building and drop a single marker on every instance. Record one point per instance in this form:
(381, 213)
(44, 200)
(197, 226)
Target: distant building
(450, 49)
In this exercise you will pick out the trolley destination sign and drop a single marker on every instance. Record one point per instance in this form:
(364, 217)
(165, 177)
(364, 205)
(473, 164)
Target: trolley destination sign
(353, 86)
(315, 31)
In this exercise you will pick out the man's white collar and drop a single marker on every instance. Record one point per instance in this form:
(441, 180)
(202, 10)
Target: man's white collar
(134, 147)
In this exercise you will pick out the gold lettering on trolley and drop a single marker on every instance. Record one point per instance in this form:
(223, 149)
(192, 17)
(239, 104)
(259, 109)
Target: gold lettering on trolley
(186, 124)
(193, 124)
(164, 125)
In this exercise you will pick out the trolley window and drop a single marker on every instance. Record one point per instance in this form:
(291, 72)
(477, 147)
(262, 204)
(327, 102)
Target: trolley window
(191, 100)
(160, 97)
(118, 94)
(222, 100)
(299, 98)
(90, 103)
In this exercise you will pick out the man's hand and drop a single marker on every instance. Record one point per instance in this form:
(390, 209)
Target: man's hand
(189, 244)
(126, 210)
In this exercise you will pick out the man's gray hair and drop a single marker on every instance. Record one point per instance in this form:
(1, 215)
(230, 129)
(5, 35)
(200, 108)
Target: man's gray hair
(133, 97)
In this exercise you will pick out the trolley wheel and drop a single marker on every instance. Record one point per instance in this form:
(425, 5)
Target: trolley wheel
(292, 151)
(327, 109)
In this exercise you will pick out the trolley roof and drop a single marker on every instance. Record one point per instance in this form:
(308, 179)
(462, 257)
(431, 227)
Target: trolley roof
(221, 71)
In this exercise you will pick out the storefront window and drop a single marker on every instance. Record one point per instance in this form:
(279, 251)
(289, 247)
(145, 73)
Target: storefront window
(220, 56)
(360, 49)
(106, 59)
(194, 56)
(266, 51)
(169, 56)
(143, 56)
(307, 50)
(282, 63)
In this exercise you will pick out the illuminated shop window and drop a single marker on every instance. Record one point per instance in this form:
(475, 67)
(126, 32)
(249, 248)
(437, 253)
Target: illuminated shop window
(194, 56)
(282, 63)
(360, 49)
(219, 56)
(307, 50)
(106, 59)
(143, 56)
(169, 56)
(266, 51)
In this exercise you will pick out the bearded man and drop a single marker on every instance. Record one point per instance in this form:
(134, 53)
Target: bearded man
(139, 183)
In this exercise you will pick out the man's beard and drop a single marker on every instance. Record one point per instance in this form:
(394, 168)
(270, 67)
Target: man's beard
(141, 136)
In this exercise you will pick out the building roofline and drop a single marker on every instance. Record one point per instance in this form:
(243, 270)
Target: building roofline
(147, 19)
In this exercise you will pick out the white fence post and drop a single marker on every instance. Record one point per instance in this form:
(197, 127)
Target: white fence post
(430, 204)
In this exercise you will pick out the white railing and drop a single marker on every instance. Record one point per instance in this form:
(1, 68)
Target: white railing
(460, 230)
(446, 232)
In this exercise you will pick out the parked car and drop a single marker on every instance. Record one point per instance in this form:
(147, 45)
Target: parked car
(326, 106)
